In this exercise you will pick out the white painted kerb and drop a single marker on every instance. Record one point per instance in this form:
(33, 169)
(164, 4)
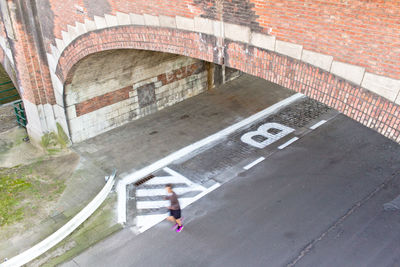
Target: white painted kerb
(132, 178)
(63, 232)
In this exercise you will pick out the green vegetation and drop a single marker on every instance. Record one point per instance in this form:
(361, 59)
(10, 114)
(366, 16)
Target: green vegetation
(22, 189)
(53, 142)
(11, 193)
(61, 136)
(97, 227)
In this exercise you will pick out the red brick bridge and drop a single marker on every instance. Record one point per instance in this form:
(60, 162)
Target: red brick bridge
(89, 66)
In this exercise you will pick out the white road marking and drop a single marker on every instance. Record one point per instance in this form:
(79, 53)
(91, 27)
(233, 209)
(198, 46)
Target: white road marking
(183, 178)
(135, 176)
(163, 180)
(183, 202)
(263, 131)
(145, 222)
(162, 192)
(294, 139)
(254, 163)
(315, 126)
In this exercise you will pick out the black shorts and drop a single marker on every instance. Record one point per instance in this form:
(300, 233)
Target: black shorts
(175, 213)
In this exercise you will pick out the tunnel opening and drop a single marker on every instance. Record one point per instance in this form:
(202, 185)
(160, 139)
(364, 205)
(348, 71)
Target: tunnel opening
(8, 96)
(8, 92)
(111, 88)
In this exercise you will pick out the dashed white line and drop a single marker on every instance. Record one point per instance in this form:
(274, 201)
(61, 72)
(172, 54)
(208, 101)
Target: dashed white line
(294, 139)
(315, 126)
(254, 163)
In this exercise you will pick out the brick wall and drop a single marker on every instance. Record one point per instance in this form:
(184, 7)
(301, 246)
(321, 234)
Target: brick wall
(357, 103)
(111, 88)
(359, 32)
(51, 36)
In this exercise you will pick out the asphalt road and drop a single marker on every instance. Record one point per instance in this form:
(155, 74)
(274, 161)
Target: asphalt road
(318, 202)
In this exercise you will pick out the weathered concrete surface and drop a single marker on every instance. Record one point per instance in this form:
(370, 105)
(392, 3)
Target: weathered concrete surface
(7, 118)
(148, 139)
(110, 89)
(141, 142)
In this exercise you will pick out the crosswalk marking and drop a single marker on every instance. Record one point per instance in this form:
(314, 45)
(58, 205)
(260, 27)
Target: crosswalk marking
(159, 204)
(183, 178)
(150, 209)
(163, 180)
(163, 192)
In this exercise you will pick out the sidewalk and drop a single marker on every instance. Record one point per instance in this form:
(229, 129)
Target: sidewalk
(138, 144)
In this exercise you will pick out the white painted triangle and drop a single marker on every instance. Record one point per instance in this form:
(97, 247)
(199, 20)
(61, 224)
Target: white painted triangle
(147, 221)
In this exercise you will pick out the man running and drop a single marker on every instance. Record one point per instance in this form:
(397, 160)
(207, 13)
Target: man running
(174, 208)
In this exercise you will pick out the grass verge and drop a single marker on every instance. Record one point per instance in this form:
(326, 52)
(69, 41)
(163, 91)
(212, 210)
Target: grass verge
(97, 227)
(22, 189)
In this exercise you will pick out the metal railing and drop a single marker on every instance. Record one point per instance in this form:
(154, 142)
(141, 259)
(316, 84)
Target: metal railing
(7, 97)
(20, 113)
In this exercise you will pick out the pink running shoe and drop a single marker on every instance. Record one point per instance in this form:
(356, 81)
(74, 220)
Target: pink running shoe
(179, 229)
(176, 225)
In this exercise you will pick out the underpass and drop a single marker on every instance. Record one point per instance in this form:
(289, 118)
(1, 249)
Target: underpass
(293, 202)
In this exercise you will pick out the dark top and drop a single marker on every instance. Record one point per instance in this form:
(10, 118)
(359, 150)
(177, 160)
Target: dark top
(174, 201)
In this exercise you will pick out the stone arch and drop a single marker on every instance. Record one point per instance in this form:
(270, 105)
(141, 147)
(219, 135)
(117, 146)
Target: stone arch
(363, 96)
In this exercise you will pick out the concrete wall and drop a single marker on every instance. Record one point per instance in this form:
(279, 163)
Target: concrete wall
(111, 88)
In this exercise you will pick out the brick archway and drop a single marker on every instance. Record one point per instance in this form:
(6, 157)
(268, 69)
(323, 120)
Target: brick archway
(370, 109)
(195, 45)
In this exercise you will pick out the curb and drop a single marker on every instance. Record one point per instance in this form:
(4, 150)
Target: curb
(64, 231)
